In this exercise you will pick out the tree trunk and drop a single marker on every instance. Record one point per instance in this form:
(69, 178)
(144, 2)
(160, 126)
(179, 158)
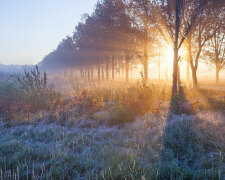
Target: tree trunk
(99, 71)
(194, 77)
(81, 74)
(159, 66)
(146, 71)
(103, 72)
(123, 69)
(145, 63)
(107, 69)
(85, 73)
(92, 73)
(88, 71)
(178, 77)
(127, 71)
(120, 68)
(113, 68)
(217, 75)
(175, 71)
(188, 65)
(193, 68)
(131, 72)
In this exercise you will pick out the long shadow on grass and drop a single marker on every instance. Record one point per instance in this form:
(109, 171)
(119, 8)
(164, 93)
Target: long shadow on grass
(211, 101)
(190, 146)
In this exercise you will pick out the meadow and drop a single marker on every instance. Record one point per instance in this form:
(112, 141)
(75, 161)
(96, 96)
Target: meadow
(98, 131)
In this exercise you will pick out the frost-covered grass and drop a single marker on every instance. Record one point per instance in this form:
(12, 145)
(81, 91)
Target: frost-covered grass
(107, 133)
(152, 147)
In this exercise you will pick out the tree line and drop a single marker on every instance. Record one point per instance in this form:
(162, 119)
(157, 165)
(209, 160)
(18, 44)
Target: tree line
(122, 33)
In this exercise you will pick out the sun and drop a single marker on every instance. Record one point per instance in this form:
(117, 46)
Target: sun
(167, 55)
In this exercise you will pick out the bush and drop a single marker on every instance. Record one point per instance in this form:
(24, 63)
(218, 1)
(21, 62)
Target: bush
(21, 96)
(84, 103)
(137, 100)
(121, 114)
(35, 90)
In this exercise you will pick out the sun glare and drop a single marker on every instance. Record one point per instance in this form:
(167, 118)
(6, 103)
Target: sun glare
(140, 67)
(168, 55)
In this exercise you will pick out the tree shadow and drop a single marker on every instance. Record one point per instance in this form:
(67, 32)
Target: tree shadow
(208, 97)
(191, 147)
(179, 104)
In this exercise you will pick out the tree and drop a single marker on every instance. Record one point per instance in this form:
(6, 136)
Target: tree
(118, 31)
(62, 57)
(168, 17)
(202, 32)
(143, 31)
(116, 25)
(215, 51)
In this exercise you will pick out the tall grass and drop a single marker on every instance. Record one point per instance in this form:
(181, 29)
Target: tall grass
(25, 94)
(109, 133)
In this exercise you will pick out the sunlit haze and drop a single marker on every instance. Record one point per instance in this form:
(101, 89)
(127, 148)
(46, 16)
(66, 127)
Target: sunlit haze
(112, 89)
(31, 29)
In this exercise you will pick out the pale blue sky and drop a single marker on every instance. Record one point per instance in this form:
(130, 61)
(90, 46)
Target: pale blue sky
(30, 29)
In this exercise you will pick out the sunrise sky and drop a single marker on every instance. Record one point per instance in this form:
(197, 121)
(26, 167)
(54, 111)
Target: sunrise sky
(31, 29)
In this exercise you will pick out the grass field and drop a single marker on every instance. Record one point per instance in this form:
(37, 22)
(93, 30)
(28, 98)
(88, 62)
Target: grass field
(137, 132)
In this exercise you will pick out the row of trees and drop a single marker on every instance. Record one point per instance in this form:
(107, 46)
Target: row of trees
(122, 33)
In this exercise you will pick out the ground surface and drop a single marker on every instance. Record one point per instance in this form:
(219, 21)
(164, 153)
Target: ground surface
(109, 130)
(152, 147)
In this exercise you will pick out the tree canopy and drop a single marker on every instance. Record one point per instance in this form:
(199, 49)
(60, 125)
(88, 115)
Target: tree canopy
(121, 34)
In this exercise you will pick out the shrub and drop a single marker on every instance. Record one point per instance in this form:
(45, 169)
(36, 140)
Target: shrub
(137, 100)
(86, 102)
(121, 114)
(36, 91)
(14, 109)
